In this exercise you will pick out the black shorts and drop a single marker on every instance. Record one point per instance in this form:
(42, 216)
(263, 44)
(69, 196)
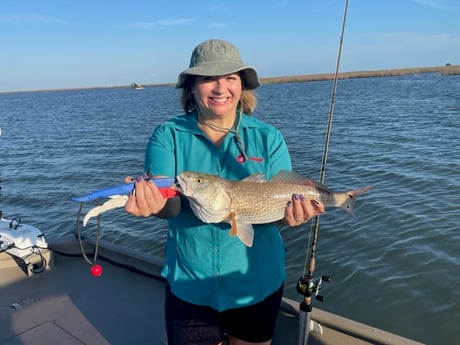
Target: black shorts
(188, 324)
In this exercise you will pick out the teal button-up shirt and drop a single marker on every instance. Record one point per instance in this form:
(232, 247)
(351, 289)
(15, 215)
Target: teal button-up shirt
(204, 264)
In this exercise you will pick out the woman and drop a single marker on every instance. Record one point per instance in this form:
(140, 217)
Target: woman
(215, 284)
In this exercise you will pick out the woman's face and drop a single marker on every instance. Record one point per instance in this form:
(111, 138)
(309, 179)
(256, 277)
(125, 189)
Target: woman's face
(217, 96)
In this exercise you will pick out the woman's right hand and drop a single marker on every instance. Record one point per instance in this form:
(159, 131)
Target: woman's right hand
(145, 200)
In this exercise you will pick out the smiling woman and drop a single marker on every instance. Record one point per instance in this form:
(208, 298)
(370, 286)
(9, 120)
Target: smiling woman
(213, 279)
(216, 99)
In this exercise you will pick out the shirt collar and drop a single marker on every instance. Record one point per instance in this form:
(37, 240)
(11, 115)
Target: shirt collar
(189, 123)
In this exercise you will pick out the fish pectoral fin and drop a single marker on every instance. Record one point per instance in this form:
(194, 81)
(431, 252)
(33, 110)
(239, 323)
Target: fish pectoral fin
(234, 228)
(114, 202)
(245, 233)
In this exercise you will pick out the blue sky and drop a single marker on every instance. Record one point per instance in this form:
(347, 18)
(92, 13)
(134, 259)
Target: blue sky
(51, 44)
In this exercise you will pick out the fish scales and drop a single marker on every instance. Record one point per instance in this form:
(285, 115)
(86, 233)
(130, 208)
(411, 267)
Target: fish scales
(260, 203)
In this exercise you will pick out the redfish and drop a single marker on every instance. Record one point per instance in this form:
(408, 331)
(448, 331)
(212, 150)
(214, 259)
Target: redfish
(254, 200)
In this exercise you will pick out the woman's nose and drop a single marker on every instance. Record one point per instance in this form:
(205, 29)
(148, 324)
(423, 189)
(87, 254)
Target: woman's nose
(219, 85)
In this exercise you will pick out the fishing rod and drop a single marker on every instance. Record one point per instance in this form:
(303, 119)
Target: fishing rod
(307, 285)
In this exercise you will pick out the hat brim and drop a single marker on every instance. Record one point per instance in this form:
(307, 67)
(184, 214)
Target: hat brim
(249, 73)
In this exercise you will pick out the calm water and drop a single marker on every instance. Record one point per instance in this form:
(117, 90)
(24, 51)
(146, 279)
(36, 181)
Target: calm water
(397, 266)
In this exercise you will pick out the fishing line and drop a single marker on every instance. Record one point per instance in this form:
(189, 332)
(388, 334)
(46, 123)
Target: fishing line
(96, 270)
(328, 129)
(306, 285)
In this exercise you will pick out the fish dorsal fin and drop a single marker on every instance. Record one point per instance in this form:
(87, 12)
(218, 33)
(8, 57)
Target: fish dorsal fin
(255, 178)
(289, 177)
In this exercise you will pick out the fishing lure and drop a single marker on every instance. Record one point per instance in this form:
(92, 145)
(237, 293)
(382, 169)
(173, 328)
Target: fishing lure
(163, 184)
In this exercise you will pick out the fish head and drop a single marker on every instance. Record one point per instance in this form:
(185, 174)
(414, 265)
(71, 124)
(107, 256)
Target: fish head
(209, 195)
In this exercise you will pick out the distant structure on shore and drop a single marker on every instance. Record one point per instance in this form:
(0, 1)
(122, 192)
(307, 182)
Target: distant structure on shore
(136, 86)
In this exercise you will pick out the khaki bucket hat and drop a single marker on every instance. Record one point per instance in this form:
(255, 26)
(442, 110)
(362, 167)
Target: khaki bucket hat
(217, 57)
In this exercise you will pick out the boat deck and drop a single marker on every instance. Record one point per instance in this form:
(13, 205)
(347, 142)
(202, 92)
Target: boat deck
(66, 305)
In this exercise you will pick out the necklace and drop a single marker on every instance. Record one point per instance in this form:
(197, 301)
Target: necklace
(229, 130)
(216, 127)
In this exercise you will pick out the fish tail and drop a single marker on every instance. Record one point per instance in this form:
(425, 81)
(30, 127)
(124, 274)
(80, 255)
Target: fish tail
(348, 204)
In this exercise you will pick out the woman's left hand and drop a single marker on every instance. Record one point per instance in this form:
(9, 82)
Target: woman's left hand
(300, 210)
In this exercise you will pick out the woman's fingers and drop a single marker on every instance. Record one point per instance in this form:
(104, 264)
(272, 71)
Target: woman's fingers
(300, 210)
(145, 199)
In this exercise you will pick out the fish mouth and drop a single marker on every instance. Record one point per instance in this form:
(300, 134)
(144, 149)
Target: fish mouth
(183, 186)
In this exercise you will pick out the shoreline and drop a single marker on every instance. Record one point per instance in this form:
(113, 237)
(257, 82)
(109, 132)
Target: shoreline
(442, 70)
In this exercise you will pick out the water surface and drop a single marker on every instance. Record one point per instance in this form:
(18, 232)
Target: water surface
(395, 267)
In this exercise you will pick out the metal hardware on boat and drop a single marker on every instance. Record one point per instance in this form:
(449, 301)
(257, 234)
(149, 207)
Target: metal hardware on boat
(26, 244)
(15, 222)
